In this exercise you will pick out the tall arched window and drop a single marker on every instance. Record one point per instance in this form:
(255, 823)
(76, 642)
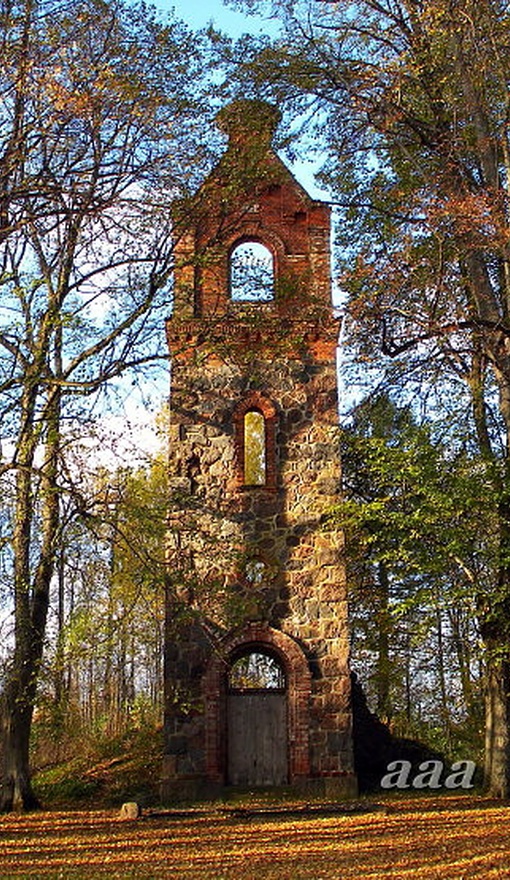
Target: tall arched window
(251, 273)
(254, 448)
(254, 421)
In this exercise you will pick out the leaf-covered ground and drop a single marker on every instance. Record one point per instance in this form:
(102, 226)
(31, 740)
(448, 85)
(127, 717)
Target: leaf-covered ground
(450, 838)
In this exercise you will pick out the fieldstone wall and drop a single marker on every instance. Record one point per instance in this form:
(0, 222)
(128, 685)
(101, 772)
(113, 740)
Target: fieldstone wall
(218, 530)
(265, 559)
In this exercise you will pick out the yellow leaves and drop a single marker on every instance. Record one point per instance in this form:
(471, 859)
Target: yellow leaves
(478, 215)
(72, 93)
(418, 838)
(70, 102)
(66, 99)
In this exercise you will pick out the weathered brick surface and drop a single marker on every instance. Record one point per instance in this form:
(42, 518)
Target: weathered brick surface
(278, 358)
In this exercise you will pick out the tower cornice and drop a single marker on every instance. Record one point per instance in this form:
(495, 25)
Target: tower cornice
(313, 339)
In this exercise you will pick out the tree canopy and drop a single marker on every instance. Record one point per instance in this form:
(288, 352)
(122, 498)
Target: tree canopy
(100, 131)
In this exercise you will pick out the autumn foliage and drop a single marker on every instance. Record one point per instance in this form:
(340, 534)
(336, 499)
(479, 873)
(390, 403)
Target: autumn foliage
(449, 837)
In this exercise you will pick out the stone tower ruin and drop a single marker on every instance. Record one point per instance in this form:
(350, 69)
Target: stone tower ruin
(256, 664)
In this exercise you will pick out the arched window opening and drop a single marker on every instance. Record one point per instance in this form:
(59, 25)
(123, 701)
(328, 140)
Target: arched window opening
(254, 421)
(256, 671)
(251, 273)
(254, 449)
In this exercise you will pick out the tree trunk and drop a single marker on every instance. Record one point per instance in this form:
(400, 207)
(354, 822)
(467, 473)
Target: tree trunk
(383, 654)
(497, 726)
(441, 675)
(17, 713)
(461, 643)
(495, 630)
(31, 595)
(19, 688)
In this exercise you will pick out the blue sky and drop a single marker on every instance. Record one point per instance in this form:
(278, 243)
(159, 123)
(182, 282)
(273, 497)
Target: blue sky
(199, 13)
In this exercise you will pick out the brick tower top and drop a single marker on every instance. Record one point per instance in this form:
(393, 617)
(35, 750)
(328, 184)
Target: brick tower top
(252, 250)
(249, 121)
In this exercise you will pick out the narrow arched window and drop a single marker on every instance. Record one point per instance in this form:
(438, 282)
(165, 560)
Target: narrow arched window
(254, 421)
(251, 273)
(254, 449)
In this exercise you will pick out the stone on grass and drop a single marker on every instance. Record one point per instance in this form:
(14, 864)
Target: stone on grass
(130, 810)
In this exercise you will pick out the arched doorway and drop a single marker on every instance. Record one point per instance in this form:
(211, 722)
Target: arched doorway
(218, 683)
(257, 752)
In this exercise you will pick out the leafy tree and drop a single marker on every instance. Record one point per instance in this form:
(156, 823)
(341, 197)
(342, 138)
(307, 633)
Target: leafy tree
(420, 534)
(105, 658)
(99, 130)
(412, 101)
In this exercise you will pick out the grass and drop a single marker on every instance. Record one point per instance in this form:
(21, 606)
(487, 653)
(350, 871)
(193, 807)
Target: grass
(103, 772)
(451, 838)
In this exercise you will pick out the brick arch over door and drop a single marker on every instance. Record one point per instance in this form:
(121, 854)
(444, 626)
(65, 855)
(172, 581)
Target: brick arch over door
(293, 660)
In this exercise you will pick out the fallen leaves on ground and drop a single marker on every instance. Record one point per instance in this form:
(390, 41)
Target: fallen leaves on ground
(452, 838)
